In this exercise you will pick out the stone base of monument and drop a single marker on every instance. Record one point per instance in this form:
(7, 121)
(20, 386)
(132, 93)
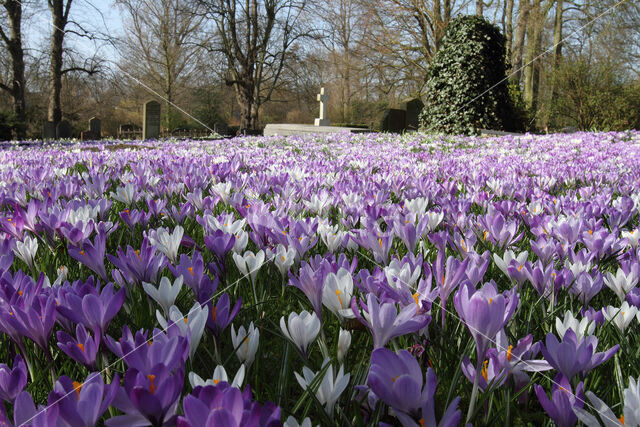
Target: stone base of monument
(295, 129)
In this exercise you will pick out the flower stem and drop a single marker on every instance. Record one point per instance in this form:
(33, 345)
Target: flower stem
(474, 392)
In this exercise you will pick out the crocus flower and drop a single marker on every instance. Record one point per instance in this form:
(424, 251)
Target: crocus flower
(35, 321)
(621, 283)
(82, 349)
(606, 414)
(344, 342)
(301, 329)
(249, 263)
(311, 282)
(166, 293)
(220, 243)
(25, 413)
(504, 261)
(167, 243)
(583, 328)
(83, 403)
(140, 265)
(92, 254)
(621, 316)
(127, 194)
(26, 250)
(222, 314)
(246, 343)
(284, 258)
(571, 357)
(12, 381)
(563, 400)
(484, 312)
(448, 277)
(329, 389)
(397, 380)
(190, 326)
(337, 291)
(219, 375)
(386, 323)
(192, 271)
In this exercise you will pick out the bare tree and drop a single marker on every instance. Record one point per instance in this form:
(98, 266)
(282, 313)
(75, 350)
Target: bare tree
(480, 7)
(160, 45)
(60, 11)
(13, 43)
(254, 38)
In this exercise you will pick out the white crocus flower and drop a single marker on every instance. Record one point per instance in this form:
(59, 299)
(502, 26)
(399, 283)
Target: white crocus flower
(333, 238)
(167, 243)
(63, 272)
(344, 342)
(249, 263)
(337, 291)
(26, 250)
(435, 218)
(632, 237)
(242, 238)
(417, 206)
(622, 316)
(292, 422)
(223, 189)
(330, 388)
(284, 258)
(192, 324)
(126, 194)
(400, 275)
(302, 329)
(578, 267)
(166, 293)
(632, 403)
(581, 329)
(246, 343)
(509, 255)
(318, 204)
(621, 283)
(219, 374)
(226, 223)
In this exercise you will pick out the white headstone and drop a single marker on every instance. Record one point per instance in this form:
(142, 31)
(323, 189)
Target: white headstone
(322, 120)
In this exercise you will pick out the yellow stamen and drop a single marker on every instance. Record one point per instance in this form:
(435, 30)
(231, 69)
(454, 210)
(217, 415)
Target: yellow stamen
(213, 313)
(393, 379)
(509, 353)
(590, 232)
(490, 301)
(190, 270)
(20, 293)
(338, 294)
(484, 370)
(621, 419)
(380, 242)
(185, 320)
(281, 256)
(82, 253)
(77, 387)
(421, 421)
(520, 268)
(152, 387)
(138, 253)
(485, 235)
(215, 381)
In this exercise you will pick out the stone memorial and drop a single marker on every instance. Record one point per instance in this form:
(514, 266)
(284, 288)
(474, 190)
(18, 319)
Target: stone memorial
(49, 130)
(64, 130)
(393, 120)
(414, 108)
(151, 120)
(95, 126)
(322, 99)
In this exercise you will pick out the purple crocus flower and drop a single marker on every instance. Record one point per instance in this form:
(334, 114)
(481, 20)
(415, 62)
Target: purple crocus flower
(221, 314)
(149, 397)
(25, 413)
(82, 404)
(12, 381)
(485, 312)
(140, 266)
(448, 277)
(572, 356)
(35, 321)
(192, 271)
(220, 243)
(386, 323)
(133, 217)
(226, 406)
(82, 349)
(92, 254)
(93, 310)
(397, 380)
(311, 282)
(563, 400)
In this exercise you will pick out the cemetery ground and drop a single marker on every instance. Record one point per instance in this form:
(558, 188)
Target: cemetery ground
(338, 279)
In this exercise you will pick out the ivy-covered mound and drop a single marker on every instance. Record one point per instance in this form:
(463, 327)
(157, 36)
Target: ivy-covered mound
(467, 89)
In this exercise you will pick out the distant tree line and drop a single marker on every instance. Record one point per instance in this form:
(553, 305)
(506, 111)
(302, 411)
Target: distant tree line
(242, 64)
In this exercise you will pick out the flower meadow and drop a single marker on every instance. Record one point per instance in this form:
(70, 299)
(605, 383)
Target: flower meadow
(337, 280)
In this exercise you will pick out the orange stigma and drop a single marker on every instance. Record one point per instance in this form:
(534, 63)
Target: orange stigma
(81, 346)
(152, 387)
(77, 387)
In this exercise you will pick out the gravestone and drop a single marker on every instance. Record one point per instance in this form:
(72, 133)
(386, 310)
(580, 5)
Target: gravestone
(322, 99)
(151, 120)
(393, 120)
(49, 130)
(64, 130)
(95, 126)
(414, 108)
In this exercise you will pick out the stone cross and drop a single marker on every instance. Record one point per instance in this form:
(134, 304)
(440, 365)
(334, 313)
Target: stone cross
(322, 120)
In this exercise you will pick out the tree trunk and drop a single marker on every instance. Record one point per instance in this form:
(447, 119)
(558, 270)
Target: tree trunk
(508, 31)
(521, 31)
(480, 7)
(14, 46)
(557, 48)
(533, 43)
(59, 17)
(438, 24)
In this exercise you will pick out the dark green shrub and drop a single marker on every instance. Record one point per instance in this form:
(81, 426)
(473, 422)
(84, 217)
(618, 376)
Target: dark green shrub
(6, 125)
(466, 84)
